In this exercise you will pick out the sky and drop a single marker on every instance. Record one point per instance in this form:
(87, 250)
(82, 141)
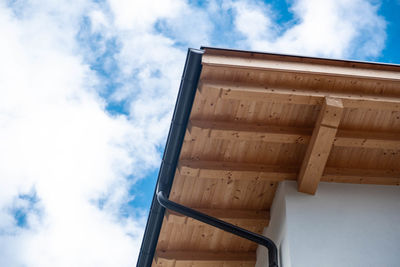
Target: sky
(87, 90)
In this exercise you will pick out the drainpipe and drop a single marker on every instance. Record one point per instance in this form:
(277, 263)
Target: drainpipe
(233, 229)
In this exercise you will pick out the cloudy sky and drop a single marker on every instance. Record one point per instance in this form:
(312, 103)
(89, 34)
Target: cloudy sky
(87, 90)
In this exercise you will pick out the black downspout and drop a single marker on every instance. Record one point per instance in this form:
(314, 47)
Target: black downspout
(259, 239)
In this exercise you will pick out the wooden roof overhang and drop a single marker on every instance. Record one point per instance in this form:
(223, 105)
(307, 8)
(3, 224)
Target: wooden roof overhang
(258, 119)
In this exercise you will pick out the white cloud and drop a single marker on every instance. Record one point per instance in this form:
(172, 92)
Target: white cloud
(151, 60)
(341, 29)
(141, 15)
(57, 140)
(254, 20)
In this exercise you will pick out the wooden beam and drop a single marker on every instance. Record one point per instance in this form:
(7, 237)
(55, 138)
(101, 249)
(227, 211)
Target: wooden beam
(241, 131)
(320, 145)
(296, 96)
(297, 67)
(170, 258)
(290, 135)
(218, 170)
(361, 176)
(236, 171)
(367, 139)
(237, 217)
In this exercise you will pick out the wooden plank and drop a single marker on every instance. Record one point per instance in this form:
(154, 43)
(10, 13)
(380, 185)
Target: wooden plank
(320, 146)
(290, 135)
(302, 59)
(237, 217)
(297, 67)
(296, 96)
(236, 171)
(202, 256)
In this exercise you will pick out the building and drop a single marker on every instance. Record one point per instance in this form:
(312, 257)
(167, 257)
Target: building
(305, 151)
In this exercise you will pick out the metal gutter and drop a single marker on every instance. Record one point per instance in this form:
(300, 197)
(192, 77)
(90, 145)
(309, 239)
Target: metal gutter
(183, 106)
(166, 174)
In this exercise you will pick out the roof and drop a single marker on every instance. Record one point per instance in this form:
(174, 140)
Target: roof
(258, 119)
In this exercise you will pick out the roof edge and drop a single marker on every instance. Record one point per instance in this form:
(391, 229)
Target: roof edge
(305, 59)
(183, 107)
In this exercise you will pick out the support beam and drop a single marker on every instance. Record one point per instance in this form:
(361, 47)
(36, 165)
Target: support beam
(236, 171)
(320, 145)
(172, 258)
(296, 96)
(290, 135)
(236, 217)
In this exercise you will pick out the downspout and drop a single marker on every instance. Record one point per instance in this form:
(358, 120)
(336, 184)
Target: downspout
(172, 150)
(233, 229)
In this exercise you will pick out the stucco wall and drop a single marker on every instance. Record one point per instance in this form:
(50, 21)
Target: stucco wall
(342, 225)
(276, 230)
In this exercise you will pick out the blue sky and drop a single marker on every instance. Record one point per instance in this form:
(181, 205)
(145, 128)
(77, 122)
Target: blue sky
(87, 93)
(390, 53)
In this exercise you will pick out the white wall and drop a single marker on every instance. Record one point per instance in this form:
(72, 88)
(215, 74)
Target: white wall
(276, 230)
(342, 225)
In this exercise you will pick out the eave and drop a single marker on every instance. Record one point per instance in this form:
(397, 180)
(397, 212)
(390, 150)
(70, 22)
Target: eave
(258, 119)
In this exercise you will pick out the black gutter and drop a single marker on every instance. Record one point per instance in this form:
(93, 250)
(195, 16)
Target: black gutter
(166, 174)
(183, 106)
(259, 239)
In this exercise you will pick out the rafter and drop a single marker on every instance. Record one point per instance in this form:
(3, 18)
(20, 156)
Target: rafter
(291, 135)
(296, 96)
(237, 217)
(381, 140)
(236, 171)
(170, 258)
(239, 171)
(361, 176)
(241, 131)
